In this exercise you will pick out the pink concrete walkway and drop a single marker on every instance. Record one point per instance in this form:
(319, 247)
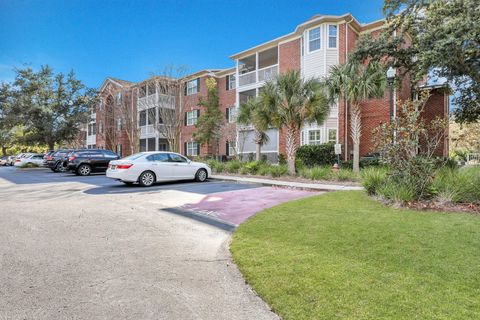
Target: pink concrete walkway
(234, 207)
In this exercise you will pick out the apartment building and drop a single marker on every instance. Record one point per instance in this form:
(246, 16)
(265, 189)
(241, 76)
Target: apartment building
(312, 48)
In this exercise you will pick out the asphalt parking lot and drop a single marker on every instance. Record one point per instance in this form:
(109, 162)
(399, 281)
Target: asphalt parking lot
(92, 248)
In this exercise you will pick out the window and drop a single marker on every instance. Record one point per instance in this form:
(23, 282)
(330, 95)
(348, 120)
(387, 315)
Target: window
(118, 98)
(314, 39)
(332, 36)
(160, 120)
(160, 157)
(176, 158)
(143, 118)
(231, 148)
(192, 117)
(119, 124)
(162, 145)
(100, 105)
(119, 150)
(100, 128)
(193, 86)
(231, 82)
(332, 135)
(92, 129)
(151, 144)
(231, 114)
(143, 145)
(151, 116)
(151, 89)
(142, 91)
(314, 137)
(192, 148)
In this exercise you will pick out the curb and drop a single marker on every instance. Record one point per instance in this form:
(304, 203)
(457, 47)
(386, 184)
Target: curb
(285, 184)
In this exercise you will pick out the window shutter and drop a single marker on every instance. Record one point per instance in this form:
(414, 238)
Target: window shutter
(198, 113)
(185, 119)
(227, 112)
(185, 148)
(185, 89)
(198, 84)
(227, 148)
(227, 82)
(198, 149)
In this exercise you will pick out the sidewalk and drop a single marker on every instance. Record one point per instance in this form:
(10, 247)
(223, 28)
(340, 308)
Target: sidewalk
(279, 183)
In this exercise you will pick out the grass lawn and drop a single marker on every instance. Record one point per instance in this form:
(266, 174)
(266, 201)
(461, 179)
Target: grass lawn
(344, 256)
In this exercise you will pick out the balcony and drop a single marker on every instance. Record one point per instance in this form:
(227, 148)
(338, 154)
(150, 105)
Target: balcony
(156, 100)
(260, 67)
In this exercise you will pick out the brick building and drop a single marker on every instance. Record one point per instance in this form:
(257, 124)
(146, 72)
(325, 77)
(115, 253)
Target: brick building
(312, 48)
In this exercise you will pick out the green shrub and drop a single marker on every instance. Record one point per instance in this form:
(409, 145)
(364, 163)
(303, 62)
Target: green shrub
(317, 155)
(251, 167)
(320, 173)
(263, 169)
(373, 178)
(458, 185)
(281, 159)
(29, 165)
(397, 191)
(233, 166)
(346, 174)
(278, 171)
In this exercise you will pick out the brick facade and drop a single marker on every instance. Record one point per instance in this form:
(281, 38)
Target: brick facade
(290, 57)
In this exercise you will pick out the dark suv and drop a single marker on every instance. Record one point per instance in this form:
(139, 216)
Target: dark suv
(83, 162)
(55, 160)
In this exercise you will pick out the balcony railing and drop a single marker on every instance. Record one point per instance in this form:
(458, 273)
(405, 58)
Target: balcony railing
(156, 100)
(147, 130)
(260, 75)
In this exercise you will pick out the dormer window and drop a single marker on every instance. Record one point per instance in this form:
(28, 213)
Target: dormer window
(314, 39)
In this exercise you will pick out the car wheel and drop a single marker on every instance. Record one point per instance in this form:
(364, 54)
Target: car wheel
(201, 175)
(146, 179)
(84, 170)
(59, 167)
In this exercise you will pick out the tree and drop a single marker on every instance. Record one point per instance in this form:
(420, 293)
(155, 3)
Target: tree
(252, 114)
(445, 43)
(356, 83)
(51, 107)
(7, 137)
(289, 102)
(210, 123)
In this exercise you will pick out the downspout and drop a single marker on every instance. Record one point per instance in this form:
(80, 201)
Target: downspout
(347, 23)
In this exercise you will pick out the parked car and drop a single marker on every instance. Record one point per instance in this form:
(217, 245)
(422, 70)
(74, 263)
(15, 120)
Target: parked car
(146, 168)
(55, 161)
(85, 161)
(3, 161)
(36, 158)
(10, 160)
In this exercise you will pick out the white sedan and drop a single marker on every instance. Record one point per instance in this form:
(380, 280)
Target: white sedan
(36, 158)
(146, 168)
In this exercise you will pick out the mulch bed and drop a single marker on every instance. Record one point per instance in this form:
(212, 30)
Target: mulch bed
(293, 179)
(450, 207)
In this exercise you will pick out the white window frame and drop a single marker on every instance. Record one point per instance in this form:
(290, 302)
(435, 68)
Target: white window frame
(232, 83)
(328, 135)
(118, 98)
(317, 140)
(192, 117)
(119, 124)
(192, 148)
(192, 87)
(310, 40)
(332, 36)
(232, 148)
(232, 114)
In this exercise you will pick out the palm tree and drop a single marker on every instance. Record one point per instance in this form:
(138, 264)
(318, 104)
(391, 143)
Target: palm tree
(356, 83)
(291, 101)
(251, 113)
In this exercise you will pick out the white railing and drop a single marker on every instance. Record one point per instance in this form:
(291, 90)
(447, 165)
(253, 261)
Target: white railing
(155, 100)
(147, 130)
(473, 158)
(247, 78)
(264, 74)
(268, 73)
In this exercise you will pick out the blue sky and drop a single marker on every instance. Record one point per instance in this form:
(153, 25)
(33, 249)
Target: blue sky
(133, 39)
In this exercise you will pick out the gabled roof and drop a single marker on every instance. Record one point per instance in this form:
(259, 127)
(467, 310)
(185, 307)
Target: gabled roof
(116, 82)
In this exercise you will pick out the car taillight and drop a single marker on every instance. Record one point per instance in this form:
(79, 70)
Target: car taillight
(18, 160)
(124, 166)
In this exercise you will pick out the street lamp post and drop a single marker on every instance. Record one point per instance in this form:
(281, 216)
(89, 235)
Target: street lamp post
(390, 78)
